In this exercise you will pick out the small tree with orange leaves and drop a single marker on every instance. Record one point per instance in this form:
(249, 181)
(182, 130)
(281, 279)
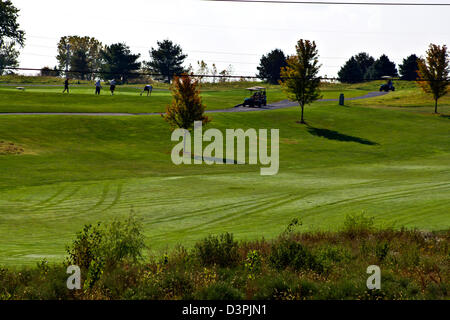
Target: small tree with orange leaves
(186, 106)
(433, 72)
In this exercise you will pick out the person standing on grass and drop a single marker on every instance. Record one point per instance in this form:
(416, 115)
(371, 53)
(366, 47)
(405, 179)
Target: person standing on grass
(112, 86)
(147, 88)
(66, 86)
(98, 86)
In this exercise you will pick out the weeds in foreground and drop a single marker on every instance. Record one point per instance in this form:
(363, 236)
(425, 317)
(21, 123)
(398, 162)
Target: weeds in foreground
(313, 265)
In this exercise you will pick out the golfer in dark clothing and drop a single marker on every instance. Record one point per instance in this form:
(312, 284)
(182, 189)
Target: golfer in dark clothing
(98, 86)
(66, 86)
(147, 88)
(112, 86)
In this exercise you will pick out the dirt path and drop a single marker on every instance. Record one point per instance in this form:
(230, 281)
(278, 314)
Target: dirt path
(239, 108)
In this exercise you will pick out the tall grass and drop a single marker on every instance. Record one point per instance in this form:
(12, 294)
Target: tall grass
(296, 265)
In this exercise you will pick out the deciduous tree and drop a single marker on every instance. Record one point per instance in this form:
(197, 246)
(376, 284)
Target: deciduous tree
(225, 74)
(434, 72)
(214, 72)
(299, 78)
(10, 35)
(8, 56)
(84, 53)
(9, 27)
(202, 69)
(187, 105)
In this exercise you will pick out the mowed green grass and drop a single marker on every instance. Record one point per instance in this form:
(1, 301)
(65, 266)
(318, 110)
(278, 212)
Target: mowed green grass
(127, 99)
(395, 165)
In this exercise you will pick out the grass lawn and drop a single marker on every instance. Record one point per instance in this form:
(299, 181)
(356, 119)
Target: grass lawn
(369, 155)
(127, 99)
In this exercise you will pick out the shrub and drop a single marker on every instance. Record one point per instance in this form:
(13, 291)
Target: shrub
(221, 250)
(86, 247)
(327, 257)
(94, 273)
(289, 253)
(358, 225)
(113, 244)
(123, 240)
(295, 222)
(281, 286)
(253, 263)
(177, 284)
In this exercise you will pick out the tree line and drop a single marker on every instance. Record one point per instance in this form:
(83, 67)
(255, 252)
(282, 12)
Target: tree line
(358, 68)
(86, 57)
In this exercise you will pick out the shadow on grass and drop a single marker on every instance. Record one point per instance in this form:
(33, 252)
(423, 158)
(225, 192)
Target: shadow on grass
(446, 116)
(334, 135)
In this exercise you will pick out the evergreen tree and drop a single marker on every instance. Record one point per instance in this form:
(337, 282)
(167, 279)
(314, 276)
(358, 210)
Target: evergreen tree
(119, 63)
(365, 61)
(167, 59)
(351, 72)
(381, 67)
(270, 66)
(409, 68)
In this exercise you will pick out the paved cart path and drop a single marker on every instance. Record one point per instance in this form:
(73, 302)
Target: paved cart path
(238, 108)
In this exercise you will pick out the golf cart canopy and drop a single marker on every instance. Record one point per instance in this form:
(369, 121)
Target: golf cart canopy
(256, 88)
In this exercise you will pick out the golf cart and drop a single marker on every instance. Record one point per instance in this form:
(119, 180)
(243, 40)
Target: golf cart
(257, 98)
(387, 86)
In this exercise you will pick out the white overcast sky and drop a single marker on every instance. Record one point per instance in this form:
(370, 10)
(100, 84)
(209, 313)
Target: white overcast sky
(234, 33)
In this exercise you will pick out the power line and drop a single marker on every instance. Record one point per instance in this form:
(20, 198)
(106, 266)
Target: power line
(337, 3)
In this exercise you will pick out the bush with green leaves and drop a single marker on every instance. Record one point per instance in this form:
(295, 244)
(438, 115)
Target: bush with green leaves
(289, 253)
(309, 265)
(253, 263)
(219, 250)
(358, 225)
(329, 256)
(96, 247)
(86, 247)
(279, 286)
(123, 241)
